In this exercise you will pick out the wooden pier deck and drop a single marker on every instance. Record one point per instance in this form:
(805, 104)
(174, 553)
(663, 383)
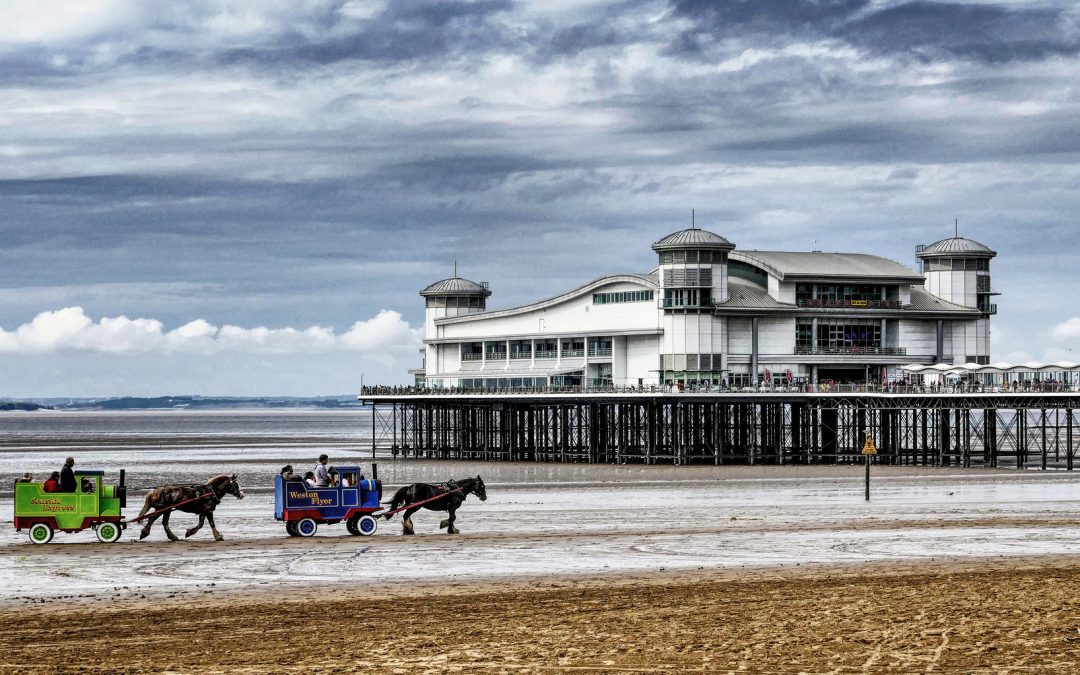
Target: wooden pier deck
(1019, 430)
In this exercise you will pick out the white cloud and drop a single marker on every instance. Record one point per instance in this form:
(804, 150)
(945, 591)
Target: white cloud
(1066, 330)
(383, 336)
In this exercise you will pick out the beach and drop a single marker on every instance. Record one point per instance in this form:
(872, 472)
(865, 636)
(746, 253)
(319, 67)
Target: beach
(565, 568)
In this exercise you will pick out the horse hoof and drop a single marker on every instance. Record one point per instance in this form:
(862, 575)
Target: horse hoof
(143, 535)
(443, 524)
(407, 532)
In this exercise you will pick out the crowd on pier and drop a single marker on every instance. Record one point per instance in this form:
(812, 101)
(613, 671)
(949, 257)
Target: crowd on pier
(915, 386)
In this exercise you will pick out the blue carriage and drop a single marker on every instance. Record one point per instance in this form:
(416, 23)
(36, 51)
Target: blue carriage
(353, 499)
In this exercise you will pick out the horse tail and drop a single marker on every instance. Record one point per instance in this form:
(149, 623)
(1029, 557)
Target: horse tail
(398, 499)
(149, 501)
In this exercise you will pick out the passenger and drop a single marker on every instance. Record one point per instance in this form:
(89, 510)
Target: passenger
(309, 479)
(287, 473)
(27, 478)
(53, 483)
(67, 476)
(322, 472)
(87, 486)
(348, 479)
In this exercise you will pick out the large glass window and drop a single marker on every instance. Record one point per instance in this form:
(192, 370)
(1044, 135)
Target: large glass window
(572, 347)
(687, 297)
(546, 349)
(622, 296)
(520, 349)
(472, 351)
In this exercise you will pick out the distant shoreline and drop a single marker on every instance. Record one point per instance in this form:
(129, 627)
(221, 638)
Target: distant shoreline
(181, 402)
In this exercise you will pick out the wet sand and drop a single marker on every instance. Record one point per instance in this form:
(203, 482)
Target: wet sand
(566, 568)
(980, 616)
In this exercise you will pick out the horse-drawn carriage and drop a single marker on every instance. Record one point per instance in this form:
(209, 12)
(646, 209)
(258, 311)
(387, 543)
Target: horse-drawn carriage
(354, 499)
(93, 505)
(304, 508)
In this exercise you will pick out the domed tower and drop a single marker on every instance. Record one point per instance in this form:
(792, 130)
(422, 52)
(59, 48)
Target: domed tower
(449, 297)
(958, 270)
(693, 274)
(453, 297)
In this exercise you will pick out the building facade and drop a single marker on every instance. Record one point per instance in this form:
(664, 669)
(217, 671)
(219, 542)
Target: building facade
(711, 313)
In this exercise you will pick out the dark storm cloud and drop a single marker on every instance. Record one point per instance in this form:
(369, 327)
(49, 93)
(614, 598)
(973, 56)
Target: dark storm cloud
(460, 173)
(405, 31)
(988, 32)
(284, 164)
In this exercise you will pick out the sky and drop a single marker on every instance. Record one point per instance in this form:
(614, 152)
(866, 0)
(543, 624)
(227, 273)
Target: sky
(244, 198)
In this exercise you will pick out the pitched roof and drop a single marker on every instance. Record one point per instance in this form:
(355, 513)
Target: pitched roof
(788, 266)
(743, 294)
(924, 301)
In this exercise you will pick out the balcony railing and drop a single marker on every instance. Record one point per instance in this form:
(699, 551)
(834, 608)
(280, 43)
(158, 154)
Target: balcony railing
(520, 356)
(848, 304)
(855, 351)
(496, 356)
(571, 353)
(988, 309)
(547, 354)
(599, 351)
(472, 357)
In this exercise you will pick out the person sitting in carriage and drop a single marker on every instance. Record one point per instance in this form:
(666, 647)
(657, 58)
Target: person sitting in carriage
(52, 484)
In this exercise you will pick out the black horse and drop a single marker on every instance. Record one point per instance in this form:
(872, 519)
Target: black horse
(453, 495)
(198, 499)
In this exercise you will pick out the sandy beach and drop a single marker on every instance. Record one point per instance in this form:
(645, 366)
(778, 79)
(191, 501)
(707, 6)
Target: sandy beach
(988, 617)
(566, 568)
(752, 569)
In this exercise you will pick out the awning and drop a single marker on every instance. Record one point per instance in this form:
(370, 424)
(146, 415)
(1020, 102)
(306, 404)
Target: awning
(994, 368)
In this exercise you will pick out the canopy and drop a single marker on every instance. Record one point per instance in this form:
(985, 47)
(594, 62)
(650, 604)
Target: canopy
(994, 368)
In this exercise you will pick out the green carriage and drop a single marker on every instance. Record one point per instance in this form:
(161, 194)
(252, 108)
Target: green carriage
(93, 505)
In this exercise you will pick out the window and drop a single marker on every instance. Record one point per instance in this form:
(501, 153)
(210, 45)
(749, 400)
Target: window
(622, 296)
(472, 351)
(687, 297)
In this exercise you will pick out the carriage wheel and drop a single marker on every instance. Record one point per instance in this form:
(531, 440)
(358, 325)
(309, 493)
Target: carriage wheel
(107, 533)
(367, 526)
(351, 526)
(40, 533)
(306, 527)
(290, 527)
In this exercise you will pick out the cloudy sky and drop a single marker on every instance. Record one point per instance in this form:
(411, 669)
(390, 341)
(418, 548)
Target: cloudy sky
(235, 197)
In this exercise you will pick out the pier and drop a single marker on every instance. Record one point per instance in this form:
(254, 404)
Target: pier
(1014, 430)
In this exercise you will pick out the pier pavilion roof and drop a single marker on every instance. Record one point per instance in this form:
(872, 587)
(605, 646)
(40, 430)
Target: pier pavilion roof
(956, 246)
(798, 266)
(456, 286)
(693, 238)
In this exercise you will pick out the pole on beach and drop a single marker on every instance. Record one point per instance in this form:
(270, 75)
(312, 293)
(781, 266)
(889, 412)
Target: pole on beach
(868, 451)
(868, 478)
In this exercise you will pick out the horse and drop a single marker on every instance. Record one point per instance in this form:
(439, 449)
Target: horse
(200, 499)
(453, 495)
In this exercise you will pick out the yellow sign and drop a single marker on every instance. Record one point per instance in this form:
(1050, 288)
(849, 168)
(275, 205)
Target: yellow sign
(868, 447)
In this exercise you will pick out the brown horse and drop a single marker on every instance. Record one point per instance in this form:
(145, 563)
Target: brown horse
(195, 498)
